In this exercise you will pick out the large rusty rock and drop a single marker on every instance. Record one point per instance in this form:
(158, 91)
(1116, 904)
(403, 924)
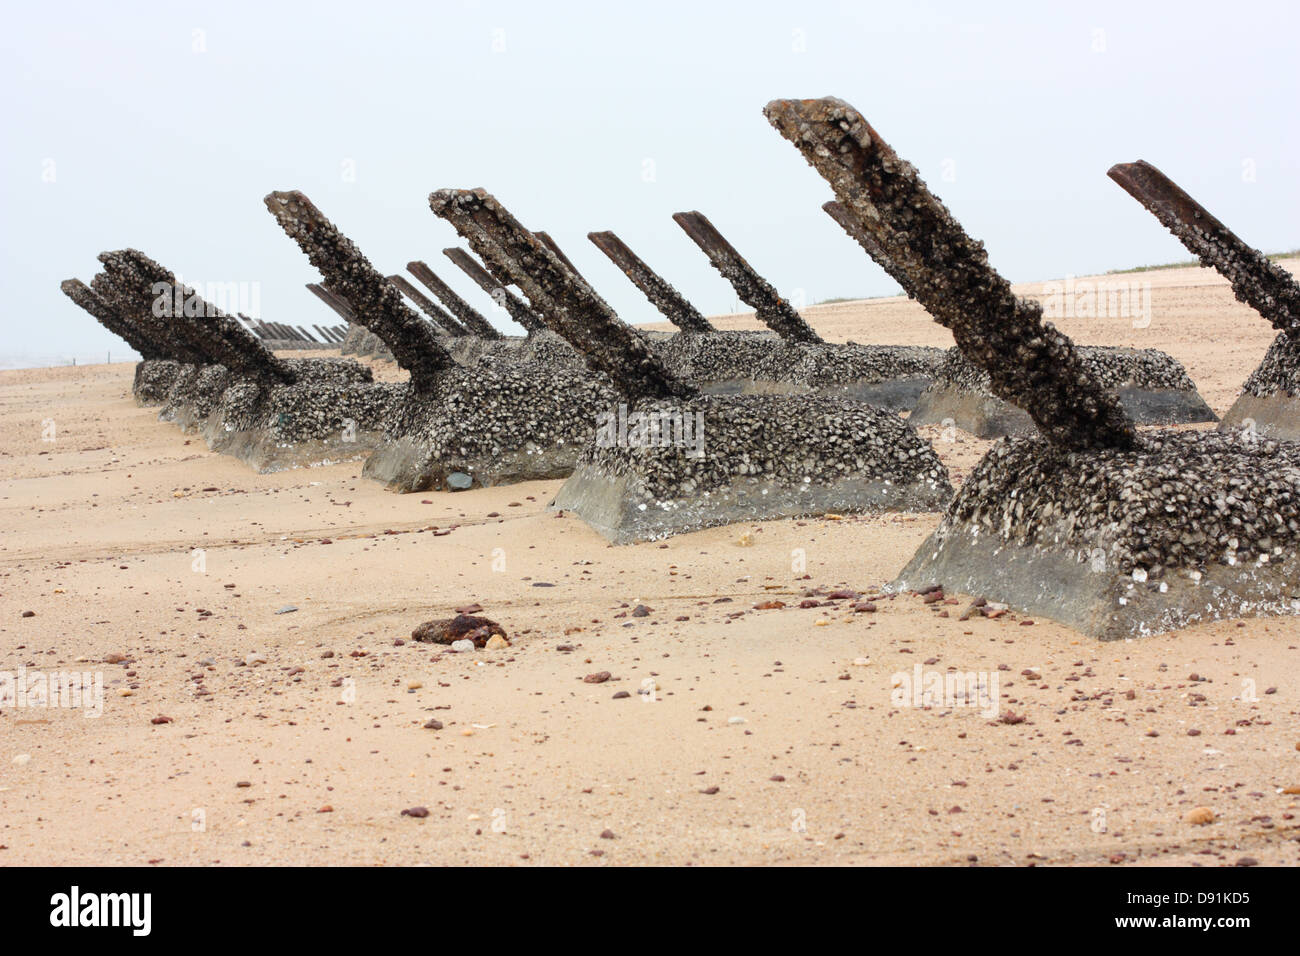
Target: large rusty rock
(1029, 362)
(462, 627)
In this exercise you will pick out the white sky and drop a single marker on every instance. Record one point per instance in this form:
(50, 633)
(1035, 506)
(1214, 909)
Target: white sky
(1011, 114)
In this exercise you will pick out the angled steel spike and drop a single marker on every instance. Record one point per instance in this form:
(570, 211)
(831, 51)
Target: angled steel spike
(172, 339)
(336, 304)
(1030, 363)
(440, 317)
(377, 302)
(466, 313)
(555, 248)
(850, 224)
(568, 302)
(222, 337)
(770, 309)
(120, 325)
(515, 306)
(1260, 283)
(671, 303)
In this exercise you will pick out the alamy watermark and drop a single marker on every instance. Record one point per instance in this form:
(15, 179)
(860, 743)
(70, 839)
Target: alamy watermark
(931, 688)
(83, 690)
(208, 300)
(1098, 298)
(658, 428)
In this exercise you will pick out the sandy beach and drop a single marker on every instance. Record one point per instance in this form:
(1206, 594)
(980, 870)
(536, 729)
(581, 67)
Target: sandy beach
(267, 618)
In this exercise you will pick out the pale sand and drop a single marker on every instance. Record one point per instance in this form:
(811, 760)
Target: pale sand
(99, 527)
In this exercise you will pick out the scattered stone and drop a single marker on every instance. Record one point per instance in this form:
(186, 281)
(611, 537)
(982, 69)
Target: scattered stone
(597, 678)
(1199, 816)
(418, 813)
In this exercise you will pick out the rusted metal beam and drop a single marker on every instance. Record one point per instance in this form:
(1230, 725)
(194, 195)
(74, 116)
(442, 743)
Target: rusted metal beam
(772, 310)
(377, 302)
(1263, 285)
(439, 315)
(844, 217)
(221, 337)
(120, 325)
(466, 313)
(555, 248)
(1030, 363)
(570, 305)
(518, 310)
(336, 304)
(172, 339)
(671, 303)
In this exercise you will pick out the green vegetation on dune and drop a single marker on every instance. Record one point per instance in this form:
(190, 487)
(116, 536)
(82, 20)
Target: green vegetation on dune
(1192, 262)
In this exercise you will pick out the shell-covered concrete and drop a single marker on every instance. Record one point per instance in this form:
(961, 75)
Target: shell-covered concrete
(493, 422)
(1184, 528)
(749, 458)
(1152, 387)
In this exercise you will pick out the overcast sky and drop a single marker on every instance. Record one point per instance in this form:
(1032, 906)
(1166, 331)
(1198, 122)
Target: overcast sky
(162, 125)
